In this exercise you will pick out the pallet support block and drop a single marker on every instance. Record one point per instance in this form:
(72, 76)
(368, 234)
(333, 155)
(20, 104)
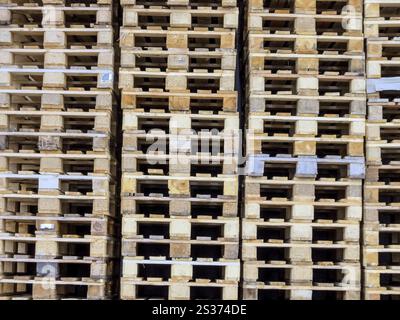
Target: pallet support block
(297, 294)
(301, 275)
(179, 291)
(180, 19)
(306, 45)
(46, 290)
(175, 82)
(305, 6)
(250, 294)
(178, 62)
(180, 229)
(97, 292)
(300, 232)
(305, 25)
(181, 272)
(55, 60)
(303, 192)
(300, 254)
(47, 247)
(177, 40)
(307, 107)
(179, 207)
(99, 246)
(179, 250)
(54, 39)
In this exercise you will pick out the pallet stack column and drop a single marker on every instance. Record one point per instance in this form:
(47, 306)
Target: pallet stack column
(305, 109)
(381, 226)
(57, 207)
(180, 228)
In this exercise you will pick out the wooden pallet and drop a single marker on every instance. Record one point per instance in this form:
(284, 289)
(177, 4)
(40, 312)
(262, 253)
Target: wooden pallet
(382, 152)
(178, 123)
(55, 2)
(64, 141)
(215, 4)
(382, 175)
(380, 256)
(30, 182)
(299, 145)
(293, 210)
(382, 69)
(151, 79)
(57, 16)
(177, 39)
(300, 6)
(288, 167)
(85, 163)
(305, 135)
(212, 61)
(57, 58)
(168, 164)
(43, 245)
(383, 111)
(305, 24)
(318, 274)
(193, 248)
(182, 185)
(69, 79)
(300, 63)
(303, 199)
(28, 99)
(285, 123)
(31, 122)
(178, 273)
(305, 44)
(198, 102)
(39, 288)
(305, 189)
(381, 239)
(181, 269)
(382, 132)
(51, 205)
(139, 226)
(291, 252)
(178, 206)
(294, 84)
(136, 289)
(281, 232)
(56, 224)
(56, 38)
(148, 18)
(25, 265)
(386, 50)
(307, 104)
(299, 292)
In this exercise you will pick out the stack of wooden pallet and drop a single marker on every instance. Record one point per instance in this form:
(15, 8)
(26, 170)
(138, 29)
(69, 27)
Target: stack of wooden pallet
(306, 122)
(179, 187)
(382, 189)
(56, 164)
